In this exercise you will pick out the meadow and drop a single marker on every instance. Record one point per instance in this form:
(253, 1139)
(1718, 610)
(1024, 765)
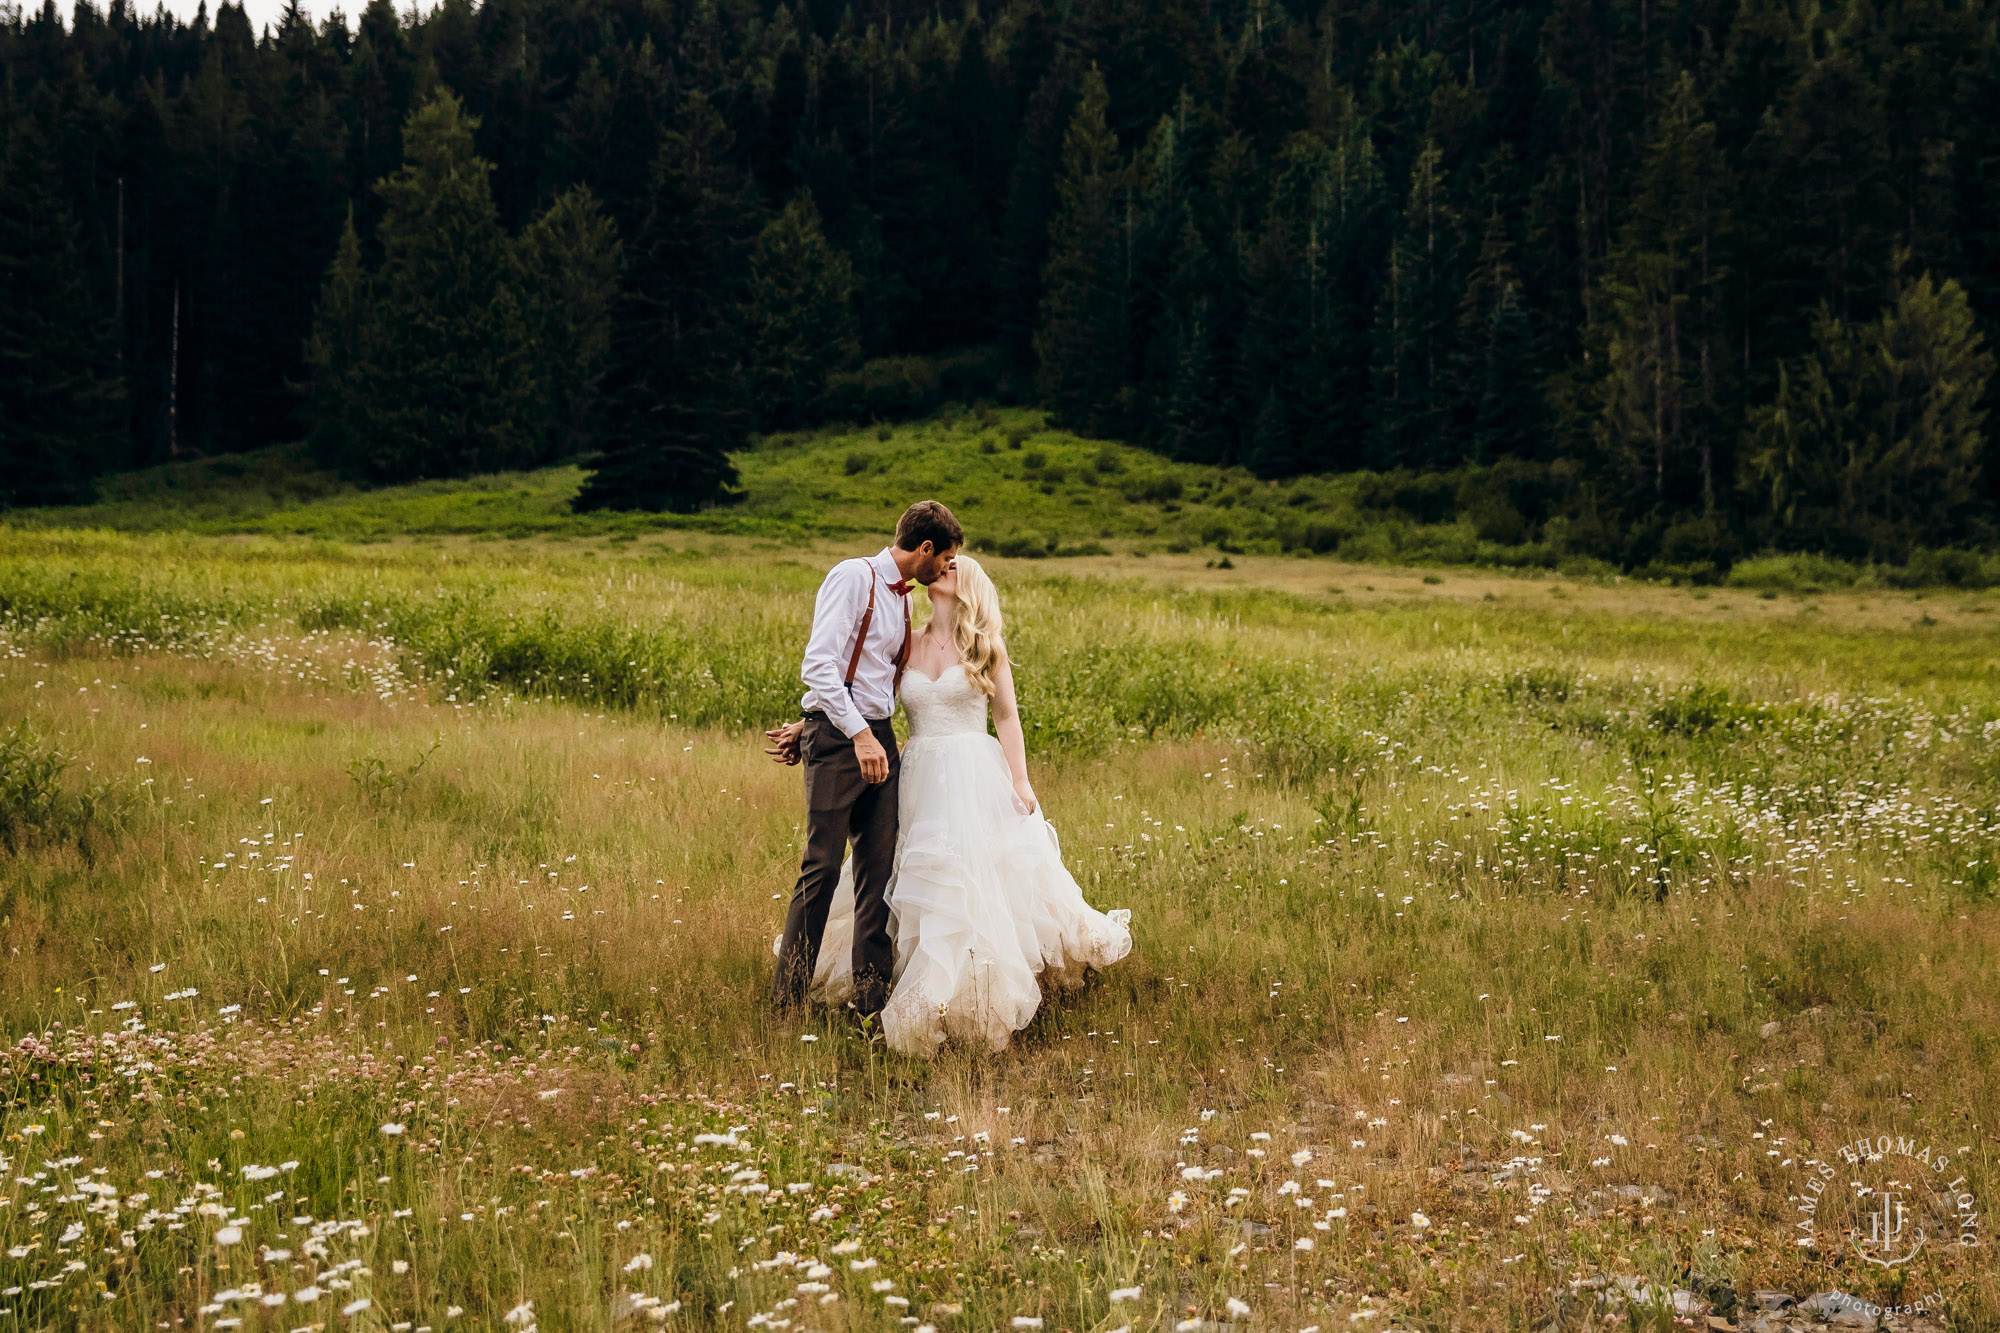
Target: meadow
(387, 887)
(1030, 490)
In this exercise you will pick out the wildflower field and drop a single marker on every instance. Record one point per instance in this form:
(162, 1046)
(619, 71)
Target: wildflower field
(385, 930)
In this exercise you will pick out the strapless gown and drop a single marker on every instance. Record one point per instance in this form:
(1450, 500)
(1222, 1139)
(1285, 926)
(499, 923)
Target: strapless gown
(983, 912)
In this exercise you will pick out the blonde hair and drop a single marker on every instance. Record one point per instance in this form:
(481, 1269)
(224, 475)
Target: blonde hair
(977, 629)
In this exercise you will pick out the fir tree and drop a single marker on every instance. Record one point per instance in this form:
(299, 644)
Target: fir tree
(1875, 442)
(61, 392)
(1031, 202)
(448, 382)
(1081, 343)
(1819, 213)
(1277, 352)
(1499, 389)
(570, 261)
(1510, 417)
(799, 313)
(1415, 326)
(337, 356)
(1346, 225)
(1662, 418)
(675, 402)
(1202, 418)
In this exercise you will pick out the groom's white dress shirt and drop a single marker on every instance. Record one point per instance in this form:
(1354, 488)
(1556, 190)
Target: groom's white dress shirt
(837, 612)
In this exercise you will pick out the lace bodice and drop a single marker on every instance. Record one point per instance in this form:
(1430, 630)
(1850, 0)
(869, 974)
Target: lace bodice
(947, 706)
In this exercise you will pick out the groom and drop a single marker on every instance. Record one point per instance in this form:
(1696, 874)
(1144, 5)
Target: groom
(853, 668)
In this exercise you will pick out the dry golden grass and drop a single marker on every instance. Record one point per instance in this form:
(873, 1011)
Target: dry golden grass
(1570, 856)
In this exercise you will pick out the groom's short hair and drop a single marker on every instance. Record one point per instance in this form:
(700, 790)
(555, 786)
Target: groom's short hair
(929, 521)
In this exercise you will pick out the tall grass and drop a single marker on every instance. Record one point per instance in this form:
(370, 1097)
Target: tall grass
(1489, 906)
(36, 802)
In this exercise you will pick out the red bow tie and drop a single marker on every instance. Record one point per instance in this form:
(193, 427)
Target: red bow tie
(901, 587)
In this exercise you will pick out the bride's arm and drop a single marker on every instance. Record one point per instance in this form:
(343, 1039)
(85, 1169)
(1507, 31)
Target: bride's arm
(1007, 726)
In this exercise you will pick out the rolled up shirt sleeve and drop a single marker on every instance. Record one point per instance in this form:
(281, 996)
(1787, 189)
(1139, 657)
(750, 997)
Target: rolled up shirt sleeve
(837, 611)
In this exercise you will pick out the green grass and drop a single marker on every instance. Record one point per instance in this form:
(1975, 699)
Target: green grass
(1021, 488)
(1384, 836)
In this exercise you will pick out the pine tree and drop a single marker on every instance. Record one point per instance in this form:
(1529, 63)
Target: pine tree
(1819, 214)
(1347, 226)
(800, 315)
(61, 393)
(1875, 442)
(1162, 201)
(1081, 344)
(383, 80)
(1031, 203)
(1510, 416)
(1415, 327)
(570, 261)
(675, 402)
(1203, 419)
(1277, 350)
(1499, 389)
(1662, 416)
(448, 382)
(337, 356)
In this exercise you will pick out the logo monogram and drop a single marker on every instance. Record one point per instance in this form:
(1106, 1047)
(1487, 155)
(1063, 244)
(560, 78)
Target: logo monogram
(1886, 1242)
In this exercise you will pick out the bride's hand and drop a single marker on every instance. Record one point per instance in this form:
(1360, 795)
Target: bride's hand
(784, 743)
(1024, 796)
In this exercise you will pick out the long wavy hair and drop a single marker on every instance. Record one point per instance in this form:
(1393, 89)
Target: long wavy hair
(977, 629)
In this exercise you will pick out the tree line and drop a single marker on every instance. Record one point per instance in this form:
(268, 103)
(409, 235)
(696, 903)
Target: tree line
(1658, 283)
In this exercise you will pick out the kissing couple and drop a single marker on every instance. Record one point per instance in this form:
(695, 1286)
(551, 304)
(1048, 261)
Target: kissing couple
(955, 908)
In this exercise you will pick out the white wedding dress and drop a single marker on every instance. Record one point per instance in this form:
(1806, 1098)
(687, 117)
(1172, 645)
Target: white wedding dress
(983, 913)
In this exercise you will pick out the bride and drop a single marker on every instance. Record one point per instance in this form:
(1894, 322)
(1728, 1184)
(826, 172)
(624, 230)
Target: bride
(982, 910)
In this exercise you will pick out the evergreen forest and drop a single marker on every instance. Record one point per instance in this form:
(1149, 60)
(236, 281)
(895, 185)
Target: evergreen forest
(1665, 284)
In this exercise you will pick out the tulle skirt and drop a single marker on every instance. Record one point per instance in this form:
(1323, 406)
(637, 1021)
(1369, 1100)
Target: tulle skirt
(983, 912)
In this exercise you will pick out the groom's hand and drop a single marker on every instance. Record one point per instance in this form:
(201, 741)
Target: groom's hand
(874, 759)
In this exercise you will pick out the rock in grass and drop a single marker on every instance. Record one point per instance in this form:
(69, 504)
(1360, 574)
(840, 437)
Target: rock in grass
(1839, 1309)
(1719, 1294)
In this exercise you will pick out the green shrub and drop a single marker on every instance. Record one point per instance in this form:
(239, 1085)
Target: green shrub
(1949, 568)
(35, 804)
(1697, 573)
(1793, 573)
(1704, 708)
(1539, 684)
(1157, 489)
(904, 388)
(1029, 546)
(1421, 497)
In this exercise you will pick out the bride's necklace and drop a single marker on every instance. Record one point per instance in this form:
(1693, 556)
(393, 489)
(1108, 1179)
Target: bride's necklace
(924, 658)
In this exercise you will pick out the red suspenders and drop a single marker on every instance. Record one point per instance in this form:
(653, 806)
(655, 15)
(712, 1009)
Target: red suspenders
(868, 618)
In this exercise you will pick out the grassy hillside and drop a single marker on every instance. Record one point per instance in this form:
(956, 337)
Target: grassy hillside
(1022, 487)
